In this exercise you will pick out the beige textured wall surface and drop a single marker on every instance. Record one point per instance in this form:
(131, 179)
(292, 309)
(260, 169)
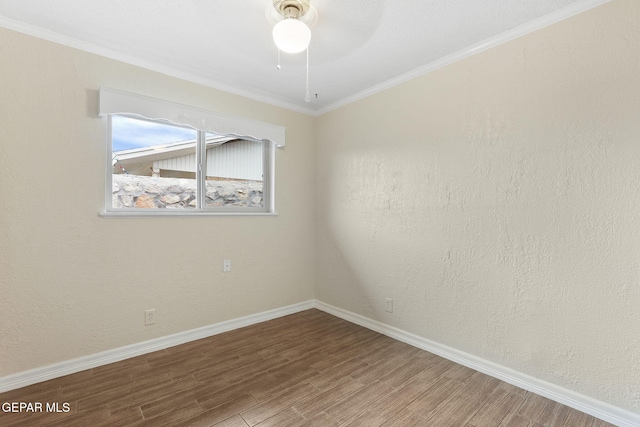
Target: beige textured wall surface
(72, 283)
(497, 201)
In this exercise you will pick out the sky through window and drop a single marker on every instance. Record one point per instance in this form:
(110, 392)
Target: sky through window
(130, 133)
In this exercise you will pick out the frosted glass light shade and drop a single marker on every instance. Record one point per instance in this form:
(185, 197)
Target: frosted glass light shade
(291, 35)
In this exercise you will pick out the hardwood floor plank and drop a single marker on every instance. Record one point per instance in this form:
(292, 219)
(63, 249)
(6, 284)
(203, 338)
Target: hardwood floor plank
(437, 395)
(74, 419)
(174, 394)
(406, 371)
(171, 415)
(225, 364)
(320, 420)
(164, 408)
(503, 403)
(366, 418)
(91, 386)
(233, 391)
(383, 368)
(520, 421)
(126, 416)
(295, 368)
(317, 403)
(392, 349)
(357, 344)
(402, 397)
(328, 377)
(286, 418)
(130, 417)
(140, 391)
(273, 386)
(538, 409)
(42, 392)
(466, 402)
(242, 373)
(337, 352)
(359, 401)
(219, 413)
(271, 407)
(405, 418)
(278, 347)
(235, 421)
(308, 369)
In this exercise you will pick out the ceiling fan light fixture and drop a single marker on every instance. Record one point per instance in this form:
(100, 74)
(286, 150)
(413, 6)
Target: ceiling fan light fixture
(291, 32)
(291, 35)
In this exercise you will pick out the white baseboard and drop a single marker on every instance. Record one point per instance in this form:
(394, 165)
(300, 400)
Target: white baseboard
(580, 402)
(597, 408)
(23, 379)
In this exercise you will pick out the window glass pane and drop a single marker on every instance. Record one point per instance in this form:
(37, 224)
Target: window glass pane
(154, 165)
(234, 172)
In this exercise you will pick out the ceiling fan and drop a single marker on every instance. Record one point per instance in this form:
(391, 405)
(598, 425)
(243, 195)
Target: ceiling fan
(291, 20)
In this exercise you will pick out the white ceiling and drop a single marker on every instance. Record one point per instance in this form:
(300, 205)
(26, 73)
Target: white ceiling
(358, 46)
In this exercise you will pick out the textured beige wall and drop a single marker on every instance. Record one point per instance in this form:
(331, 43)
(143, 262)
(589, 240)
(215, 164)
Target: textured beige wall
(497, 201)
(72, 283)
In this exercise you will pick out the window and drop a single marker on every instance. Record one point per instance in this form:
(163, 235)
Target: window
(167, 159)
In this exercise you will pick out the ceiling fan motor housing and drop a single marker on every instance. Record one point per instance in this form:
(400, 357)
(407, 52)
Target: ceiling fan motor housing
(292, 8)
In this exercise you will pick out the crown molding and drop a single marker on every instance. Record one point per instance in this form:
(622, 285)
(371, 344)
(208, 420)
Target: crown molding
(54, 37)
(537, 24)
(522, 30)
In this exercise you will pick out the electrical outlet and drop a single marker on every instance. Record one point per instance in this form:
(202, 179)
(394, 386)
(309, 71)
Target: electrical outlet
(388, 305)
(227, 265)
(149, 317)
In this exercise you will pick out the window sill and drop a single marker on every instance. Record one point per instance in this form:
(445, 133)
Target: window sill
(171, 213)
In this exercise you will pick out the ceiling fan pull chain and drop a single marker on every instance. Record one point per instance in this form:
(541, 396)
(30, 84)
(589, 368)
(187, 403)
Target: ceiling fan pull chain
(278, 66)
(307, 95)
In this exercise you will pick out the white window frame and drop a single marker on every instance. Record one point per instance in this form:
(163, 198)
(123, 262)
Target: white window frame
(114, 102)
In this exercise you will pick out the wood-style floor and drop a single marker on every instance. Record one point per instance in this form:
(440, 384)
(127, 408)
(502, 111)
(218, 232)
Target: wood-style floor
(307, 369)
